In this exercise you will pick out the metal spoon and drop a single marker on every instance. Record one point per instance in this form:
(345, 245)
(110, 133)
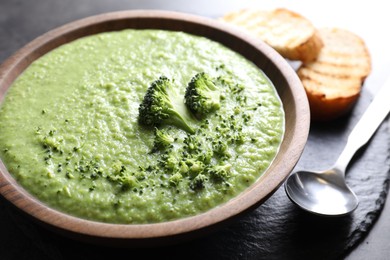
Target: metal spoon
(325, 192)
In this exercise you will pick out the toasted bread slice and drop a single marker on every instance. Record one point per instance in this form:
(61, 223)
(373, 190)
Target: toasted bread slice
(289, 33)
(333, 82)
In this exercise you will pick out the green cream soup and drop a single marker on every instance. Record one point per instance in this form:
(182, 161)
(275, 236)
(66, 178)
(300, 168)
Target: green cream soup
(70, 133)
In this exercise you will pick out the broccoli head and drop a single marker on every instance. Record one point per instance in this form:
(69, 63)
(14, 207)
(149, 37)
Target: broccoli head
(162, 105)
(202, 96)
(162, 139)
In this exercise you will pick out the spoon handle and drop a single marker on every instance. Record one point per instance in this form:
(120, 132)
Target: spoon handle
(367, 125)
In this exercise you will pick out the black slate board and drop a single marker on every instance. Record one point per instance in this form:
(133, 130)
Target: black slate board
(276, 230)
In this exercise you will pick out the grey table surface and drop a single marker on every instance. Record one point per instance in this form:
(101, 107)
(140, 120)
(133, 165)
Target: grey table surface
(23, 20)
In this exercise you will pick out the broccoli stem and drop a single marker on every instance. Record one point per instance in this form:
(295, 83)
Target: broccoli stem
(180, 119)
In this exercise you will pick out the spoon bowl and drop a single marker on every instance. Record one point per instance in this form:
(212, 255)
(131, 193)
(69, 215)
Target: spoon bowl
(323, 193)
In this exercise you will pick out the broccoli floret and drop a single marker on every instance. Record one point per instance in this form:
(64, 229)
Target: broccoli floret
(175, 179)
(198, 182)
(221, 148)
(220, 171)
(183, 167)
(205, 156)
(162, 139)
(194, 166)
(191, 144)
(202, 96)
(238, 138)
(171, 162)
(127, 181)
(162, 105)
(122, 176)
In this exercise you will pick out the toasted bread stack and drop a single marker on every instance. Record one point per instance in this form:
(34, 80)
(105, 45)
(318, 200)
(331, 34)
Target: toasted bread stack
(333, 82)
(289, 33)
(335, 62)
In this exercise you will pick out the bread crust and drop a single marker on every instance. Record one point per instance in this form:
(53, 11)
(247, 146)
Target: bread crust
(335, 62)
(289, 33)
(333, 82)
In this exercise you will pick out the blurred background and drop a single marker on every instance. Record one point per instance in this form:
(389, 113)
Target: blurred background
(368, 19)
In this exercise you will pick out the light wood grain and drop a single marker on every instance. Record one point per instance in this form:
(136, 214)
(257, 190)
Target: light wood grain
(279, 72)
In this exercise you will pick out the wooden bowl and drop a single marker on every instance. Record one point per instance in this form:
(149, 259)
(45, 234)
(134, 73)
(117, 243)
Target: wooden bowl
(275, 67)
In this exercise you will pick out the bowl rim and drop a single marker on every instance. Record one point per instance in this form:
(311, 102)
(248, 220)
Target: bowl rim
(245, 201)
